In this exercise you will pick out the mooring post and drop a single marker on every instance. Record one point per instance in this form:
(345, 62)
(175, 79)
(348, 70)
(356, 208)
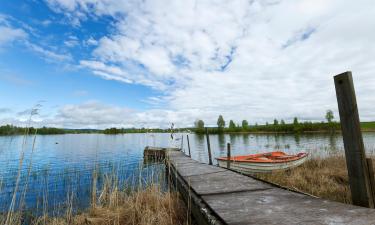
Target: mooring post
(228, 155)
(372, 179)
(187, 137)
(358, 172)
(209, 148)
(182, 143)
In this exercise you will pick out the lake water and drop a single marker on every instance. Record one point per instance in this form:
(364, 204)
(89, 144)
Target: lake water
(63, 165)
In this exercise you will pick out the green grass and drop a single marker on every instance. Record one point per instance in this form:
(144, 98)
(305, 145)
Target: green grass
(368, 125)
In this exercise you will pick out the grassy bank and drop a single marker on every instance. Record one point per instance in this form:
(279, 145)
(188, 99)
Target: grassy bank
(326, 178)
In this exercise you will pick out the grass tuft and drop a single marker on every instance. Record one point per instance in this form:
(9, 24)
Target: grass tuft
(322, 177)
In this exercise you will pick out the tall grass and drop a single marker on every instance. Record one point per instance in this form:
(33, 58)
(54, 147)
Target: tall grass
(148, 205)
(323, 177)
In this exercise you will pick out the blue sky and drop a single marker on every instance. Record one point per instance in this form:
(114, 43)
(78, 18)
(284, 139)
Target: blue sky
(29, 76)
(102, 63)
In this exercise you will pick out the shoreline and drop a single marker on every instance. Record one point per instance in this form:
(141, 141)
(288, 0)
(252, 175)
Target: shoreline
(239, 132)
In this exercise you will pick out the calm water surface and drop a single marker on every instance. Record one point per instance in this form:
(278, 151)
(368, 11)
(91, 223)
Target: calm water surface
(63, 165)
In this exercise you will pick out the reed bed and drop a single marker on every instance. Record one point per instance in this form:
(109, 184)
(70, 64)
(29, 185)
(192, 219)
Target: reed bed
(322, 177)
(147, 204)
(146, 207)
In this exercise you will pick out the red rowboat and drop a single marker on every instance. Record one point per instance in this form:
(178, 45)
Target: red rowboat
(263, 162)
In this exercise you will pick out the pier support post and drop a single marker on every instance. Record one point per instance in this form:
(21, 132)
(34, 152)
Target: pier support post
(182, 143)
(372, 178)
(358, 172)
(208, 148)
(228, 155)
(188, 142)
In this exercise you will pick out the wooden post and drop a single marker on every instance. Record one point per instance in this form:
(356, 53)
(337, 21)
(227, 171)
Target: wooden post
(371, 175)
(187, 137)
(182, 143)
(359, 178)
(228, 155)
(209, 148)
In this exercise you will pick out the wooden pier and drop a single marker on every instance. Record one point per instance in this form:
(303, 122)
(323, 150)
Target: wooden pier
(219, 196)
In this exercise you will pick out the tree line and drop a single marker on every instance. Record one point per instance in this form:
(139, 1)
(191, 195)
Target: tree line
(277, 126)
(14, 130)
(114, 130)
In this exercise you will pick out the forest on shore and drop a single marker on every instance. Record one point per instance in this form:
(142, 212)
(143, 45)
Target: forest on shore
(329, 125)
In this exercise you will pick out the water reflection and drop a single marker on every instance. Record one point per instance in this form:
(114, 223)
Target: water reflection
(297, 139)
(246, 139)
(222, 143)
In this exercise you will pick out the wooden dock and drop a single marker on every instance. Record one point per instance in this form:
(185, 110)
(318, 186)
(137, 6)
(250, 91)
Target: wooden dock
(220, 196)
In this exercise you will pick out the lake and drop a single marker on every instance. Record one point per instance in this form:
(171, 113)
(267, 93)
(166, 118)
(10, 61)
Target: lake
(60, 167)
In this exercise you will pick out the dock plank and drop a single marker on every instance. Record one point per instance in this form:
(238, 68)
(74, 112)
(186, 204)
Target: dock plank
(221, 196)
(196, 169)
(278, 206)
(210, 184)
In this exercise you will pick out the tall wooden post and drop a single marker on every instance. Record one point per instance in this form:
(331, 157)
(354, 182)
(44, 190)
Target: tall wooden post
(187, 137)
(359, 178)
(182, 143)
(370, 168)
(209, 148)
(228, 155)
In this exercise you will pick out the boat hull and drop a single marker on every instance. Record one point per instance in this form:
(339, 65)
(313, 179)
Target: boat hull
(251, 167)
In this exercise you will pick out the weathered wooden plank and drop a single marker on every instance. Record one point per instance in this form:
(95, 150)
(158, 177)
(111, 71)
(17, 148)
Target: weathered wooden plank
(182, 160)
(201, 212)
(195, 169)
(154, 153)
(212, 183)
(354, 149)
(278, 206)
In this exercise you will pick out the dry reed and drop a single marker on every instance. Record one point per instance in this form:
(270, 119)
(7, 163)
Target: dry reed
(149, 206)
(326, 178)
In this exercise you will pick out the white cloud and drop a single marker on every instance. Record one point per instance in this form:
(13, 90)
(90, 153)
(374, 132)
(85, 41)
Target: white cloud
(72, 41)
(91, 114)
(48, 55)
(9, 34)
(46, 23)
(255, 60)
(91, 41)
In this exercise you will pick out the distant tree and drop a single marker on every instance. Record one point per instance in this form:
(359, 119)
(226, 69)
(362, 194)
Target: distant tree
(295, 121)
(199, 124)
(329, 116)
(232, 125)
(245, 124)
(220, 123)
(275, 122)
(266, 123)
(282, 122)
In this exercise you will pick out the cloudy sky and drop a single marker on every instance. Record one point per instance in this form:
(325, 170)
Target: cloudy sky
(125, 63)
